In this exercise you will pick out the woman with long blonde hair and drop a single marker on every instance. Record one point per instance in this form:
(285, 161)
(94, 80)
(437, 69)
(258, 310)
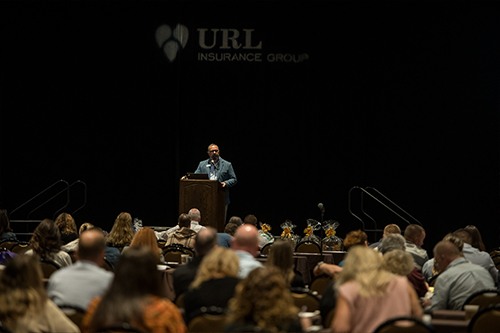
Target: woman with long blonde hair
(122, 232)
(215, 281)
(25, 306)
(368, 294)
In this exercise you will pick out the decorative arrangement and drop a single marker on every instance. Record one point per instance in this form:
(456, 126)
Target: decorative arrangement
(287, 233)
(265, 231)
(331, 242)
(312, 226)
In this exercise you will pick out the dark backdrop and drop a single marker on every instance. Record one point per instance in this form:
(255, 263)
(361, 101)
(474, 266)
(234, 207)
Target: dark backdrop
(401, 96)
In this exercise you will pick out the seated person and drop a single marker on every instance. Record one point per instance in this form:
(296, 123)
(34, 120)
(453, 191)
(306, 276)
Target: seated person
(185, 235)
(215, 282)
(46, 243)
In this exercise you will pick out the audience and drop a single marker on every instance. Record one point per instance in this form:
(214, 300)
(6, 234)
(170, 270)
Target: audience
(429, 270)
(184, 235)
(67, 227)
(122, 232)
(368, 295)
(246, 245)
(281, 257)
(476, 239)
(459, 278)
(195, 218)
(388, 230)
(146, 237)
(205, 241)
(263, 302)
(134, 297)
(24, 303)
(397, 263)
(224, 238)
(415, 235)
(79, 283)
(263, 238)
(6, 233)
(215, 282)
(46, 244)
(475, 256)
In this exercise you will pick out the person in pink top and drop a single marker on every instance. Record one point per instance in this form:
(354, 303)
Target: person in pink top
(368, 295)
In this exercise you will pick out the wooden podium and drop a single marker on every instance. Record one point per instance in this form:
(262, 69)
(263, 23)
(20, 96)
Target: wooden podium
(208, 196)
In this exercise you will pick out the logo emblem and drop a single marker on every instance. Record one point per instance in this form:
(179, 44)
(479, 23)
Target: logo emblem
(171, 41)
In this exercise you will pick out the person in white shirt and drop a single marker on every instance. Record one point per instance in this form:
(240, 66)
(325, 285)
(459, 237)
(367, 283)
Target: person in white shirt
(194, 215)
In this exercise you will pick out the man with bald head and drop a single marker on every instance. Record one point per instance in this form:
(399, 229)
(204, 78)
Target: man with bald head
(245, 243)
(78, 284)
(459, 278)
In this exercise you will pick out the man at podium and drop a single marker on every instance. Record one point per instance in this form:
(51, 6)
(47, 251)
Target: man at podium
(219, 169)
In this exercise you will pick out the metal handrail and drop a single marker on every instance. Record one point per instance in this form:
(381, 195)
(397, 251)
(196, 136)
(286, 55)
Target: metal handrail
(67, 203)
(394, 204)
(37, 195)
(365, 191)
(66, 189)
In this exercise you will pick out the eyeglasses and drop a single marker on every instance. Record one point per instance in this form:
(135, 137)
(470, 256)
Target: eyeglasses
(214, 151)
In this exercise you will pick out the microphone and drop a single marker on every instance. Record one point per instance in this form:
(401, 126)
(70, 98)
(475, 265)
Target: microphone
(321, 207)
(213, 163)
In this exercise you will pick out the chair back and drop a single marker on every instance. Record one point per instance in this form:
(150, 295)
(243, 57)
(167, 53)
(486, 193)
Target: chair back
(179, 301)
(327, 321)
(173, 252)
(305, 297)
(107, 265)
(48, 267)
(494, 251)
(265, 249)
(8, 244)
(75, 314)
(404, 325)
(486, 320)
(320, 283)
(211, 319)
(308, 247)
(21, 247)
(496, 260)
(483, 298)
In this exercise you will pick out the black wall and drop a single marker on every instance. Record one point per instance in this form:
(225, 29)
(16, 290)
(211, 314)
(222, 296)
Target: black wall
(401, 96)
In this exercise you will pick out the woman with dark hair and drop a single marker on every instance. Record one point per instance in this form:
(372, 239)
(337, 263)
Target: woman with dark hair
(6, 233)
(67, 227)
(263, 301)
(281, 256)
(122, 232)
(134, 297)
(46, 243)
(25, 306)
(477, 240)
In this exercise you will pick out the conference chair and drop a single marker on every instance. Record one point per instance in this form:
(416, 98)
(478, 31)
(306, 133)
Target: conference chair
(494, 251)
(48, 267)
(8, 244)
(208, 319)
(305, 297)
(496, 260)
(320, 283)
(265, 249)
(74, 313)
(404, 325)
(21, 247)
(173, 252)
(327, 321)
(308, 247)
(483, 298)
(486, 320)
